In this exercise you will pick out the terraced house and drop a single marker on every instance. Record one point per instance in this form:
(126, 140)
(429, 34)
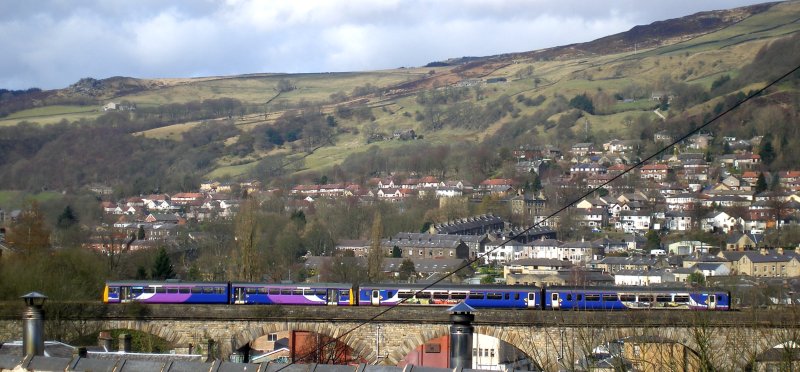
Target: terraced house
(771, 263)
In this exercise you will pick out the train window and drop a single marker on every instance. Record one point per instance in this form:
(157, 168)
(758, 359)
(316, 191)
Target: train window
(161, 290)
(250, 290)
(627, 298)
(389, 294)
(441, 295)
(197, 290)
(684, 299)
(569, 296)
(458, 296)
(208, 290)
(592, 297)
(172, 290)
(183, 290)
(609, 297)
(286, 291)
(663, 298)
(494, 296)
(149, 290)
(219, 290)
(645, 298)
(113, 290)
(262, 290)
(475, 296)
(423, 295)
(274, 291)
(319, 292)
(297, 292)
(403, 294)
(516, 296)
(580, 297)
(508, 296)
(136, 291)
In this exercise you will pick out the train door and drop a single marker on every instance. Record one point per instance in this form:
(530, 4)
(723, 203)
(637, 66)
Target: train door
(555, 302)
(531, 300)
(333, 297)
(712, 301)
(375, 297)
(124, 294)
(239, 295)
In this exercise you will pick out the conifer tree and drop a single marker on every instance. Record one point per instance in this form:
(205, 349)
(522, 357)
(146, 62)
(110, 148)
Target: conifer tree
(162, 268)
(761, 183)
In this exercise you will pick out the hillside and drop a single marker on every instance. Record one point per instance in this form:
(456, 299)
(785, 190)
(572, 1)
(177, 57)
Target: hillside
(254, 125)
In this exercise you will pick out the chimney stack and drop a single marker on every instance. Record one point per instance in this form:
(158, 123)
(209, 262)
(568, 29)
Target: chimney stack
(124, 343)
(104, 341)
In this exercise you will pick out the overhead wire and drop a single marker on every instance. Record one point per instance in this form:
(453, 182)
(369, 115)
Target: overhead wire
(569, 204)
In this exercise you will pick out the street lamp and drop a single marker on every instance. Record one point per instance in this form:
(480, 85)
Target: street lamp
(33, 324)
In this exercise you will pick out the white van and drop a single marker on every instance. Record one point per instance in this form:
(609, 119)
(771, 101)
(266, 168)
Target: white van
(658, 252)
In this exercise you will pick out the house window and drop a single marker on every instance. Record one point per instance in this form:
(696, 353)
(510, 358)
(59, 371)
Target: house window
(272, 337)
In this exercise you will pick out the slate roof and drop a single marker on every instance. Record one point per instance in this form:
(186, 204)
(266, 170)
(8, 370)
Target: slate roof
(708, 266)
(540, 262)
(124, 365)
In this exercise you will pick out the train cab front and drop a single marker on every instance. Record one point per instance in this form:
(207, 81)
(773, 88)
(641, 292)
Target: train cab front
(110, 294)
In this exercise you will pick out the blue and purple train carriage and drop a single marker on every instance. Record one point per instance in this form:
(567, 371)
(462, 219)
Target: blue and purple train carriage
(483, 296)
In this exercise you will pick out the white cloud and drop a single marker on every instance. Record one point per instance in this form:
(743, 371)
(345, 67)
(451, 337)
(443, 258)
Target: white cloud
(53, 43)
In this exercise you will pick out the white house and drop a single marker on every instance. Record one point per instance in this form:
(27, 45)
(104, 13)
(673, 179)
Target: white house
(682, 201)
(638, 277)
(719, 221)
(713, 269)
(678, 221)
(633, 221)
(503, 254)
(544, 248)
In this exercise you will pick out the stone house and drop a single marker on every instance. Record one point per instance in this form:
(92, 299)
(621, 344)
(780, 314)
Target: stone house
(770, 263)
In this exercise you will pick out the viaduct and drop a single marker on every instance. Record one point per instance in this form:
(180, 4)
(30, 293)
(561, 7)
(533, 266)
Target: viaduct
(551, 339)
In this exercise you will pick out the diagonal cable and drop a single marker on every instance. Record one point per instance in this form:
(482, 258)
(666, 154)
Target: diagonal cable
(553, 214)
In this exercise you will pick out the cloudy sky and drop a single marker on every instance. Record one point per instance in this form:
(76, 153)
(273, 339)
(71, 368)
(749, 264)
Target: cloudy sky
(53, 43)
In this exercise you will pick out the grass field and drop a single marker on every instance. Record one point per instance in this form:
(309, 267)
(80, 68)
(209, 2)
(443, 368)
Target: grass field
(700, 60)
(11, 199)
(170, 132)
(52, 114)
(260, 88)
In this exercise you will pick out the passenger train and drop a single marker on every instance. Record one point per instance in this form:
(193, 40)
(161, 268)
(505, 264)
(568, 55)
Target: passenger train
(483, 296)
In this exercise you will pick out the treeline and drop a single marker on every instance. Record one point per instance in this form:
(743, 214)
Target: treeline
(459, 160)
(196, 110)
(70, 156)
(452, 108)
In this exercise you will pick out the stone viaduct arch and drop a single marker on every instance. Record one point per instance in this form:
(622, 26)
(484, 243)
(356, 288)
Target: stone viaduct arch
(729, 339)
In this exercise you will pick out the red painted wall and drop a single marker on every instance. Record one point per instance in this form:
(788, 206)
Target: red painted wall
(434, 353)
